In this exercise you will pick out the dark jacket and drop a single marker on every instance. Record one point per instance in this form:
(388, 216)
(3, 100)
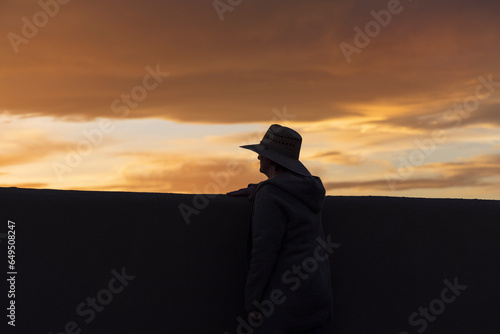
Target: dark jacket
(289, 272)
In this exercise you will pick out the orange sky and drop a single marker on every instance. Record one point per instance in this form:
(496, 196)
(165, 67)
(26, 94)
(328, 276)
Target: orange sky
(158, 95)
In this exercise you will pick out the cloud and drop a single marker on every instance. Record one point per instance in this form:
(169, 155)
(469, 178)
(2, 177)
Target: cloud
(24, 147)
(480, 171)
(238, 138)
(235, 71)
(338, 157)
(148, 171)
(28, 185)
(462, 112)
(264, 55)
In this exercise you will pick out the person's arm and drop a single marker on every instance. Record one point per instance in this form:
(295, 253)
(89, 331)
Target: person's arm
(248, 191)
(268, 228)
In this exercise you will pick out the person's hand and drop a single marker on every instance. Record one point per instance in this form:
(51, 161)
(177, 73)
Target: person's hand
(248, 191)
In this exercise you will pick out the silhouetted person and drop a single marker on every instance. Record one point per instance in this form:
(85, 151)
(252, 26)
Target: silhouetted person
(288, 286)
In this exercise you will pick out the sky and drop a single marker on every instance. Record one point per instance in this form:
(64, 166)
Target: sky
(392, 98)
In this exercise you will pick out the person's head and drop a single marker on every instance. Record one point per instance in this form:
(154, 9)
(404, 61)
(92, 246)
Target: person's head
(271, 168)
(279, 151)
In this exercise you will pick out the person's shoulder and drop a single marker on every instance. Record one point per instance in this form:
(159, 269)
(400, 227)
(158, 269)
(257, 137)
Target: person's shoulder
(266, 186)
(268, 190)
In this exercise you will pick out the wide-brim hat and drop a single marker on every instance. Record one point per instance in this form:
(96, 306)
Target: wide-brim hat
(281, 145)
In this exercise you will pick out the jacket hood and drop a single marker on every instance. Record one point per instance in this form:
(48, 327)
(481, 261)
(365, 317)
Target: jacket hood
(307, 189)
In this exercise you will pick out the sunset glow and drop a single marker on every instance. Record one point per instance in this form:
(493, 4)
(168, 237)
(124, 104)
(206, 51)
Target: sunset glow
(157, 96)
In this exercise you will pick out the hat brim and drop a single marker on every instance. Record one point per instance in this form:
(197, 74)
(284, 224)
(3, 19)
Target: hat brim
(292, 164)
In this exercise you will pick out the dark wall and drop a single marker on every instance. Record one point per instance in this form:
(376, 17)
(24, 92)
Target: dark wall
(432, 260)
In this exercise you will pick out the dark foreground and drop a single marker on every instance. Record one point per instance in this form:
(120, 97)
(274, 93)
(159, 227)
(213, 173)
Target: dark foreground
(111, 262)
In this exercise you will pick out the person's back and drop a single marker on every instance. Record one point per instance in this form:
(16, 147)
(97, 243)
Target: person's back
(288, 254)
(288, 287)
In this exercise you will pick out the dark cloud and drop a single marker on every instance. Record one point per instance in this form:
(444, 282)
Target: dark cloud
(264, 54)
